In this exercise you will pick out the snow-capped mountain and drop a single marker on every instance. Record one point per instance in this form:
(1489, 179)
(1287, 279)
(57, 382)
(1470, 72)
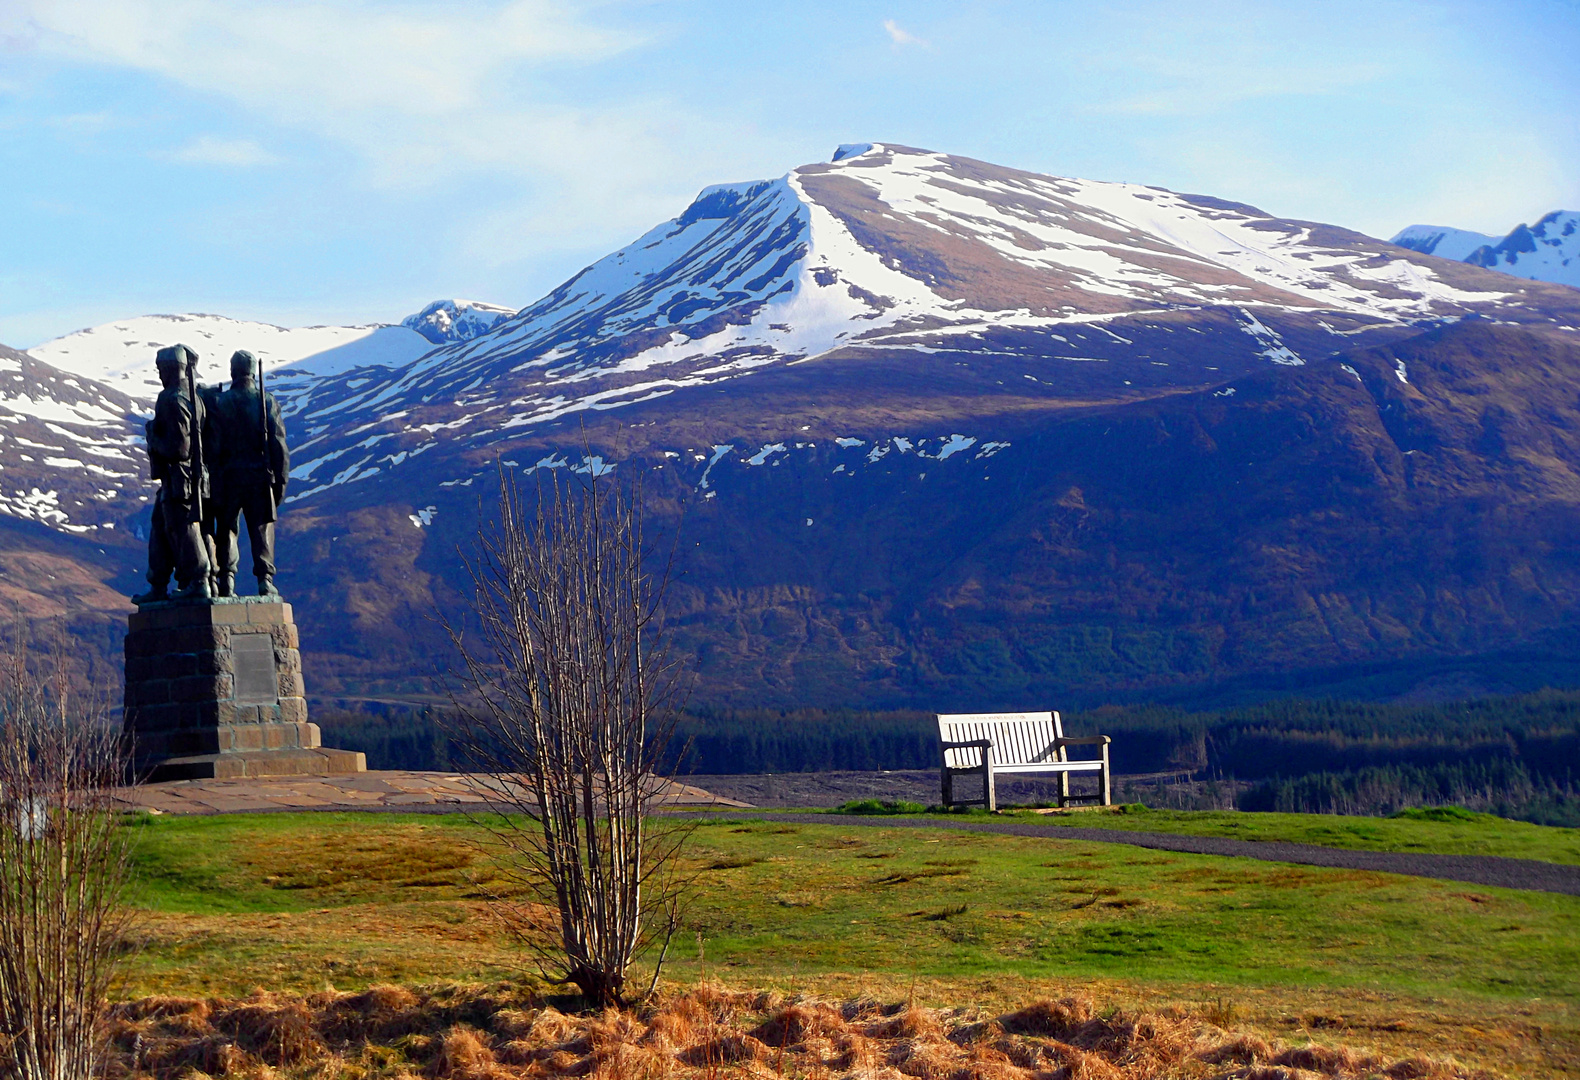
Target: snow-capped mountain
(1546, 251)
(892, 251)
(1442, 241)
(121, 354)
(444, 321)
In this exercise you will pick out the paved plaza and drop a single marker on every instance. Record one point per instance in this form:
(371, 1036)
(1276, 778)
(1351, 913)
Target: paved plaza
(393, 790)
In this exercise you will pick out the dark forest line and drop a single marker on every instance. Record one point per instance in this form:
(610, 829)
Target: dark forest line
(1518, 756)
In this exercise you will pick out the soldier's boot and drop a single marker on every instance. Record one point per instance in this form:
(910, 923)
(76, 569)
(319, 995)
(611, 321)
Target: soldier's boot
(154, 595)
(266, 586)
(226, 585)
(196, 589)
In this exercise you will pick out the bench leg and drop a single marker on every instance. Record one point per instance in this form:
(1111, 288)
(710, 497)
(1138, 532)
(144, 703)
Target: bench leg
(949, 787)
(989, 796)
(1108, 795)
(1064, 790)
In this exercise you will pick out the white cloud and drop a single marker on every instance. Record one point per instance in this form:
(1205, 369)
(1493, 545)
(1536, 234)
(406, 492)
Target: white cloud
(424, 94)
(235, 153)
(419, 91)
(900, 36)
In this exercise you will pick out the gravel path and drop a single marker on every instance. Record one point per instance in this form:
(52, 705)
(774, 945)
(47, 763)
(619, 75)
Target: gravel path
(1490, 870)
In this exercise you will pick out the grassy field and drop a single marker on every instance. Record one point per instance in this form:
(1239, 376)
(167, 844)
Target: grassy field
(298, 902)
(1439, 830)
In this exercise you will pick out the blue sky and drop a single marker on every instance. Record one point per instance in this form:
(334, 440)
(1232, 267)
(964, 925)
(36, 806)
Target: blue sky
(343, 162)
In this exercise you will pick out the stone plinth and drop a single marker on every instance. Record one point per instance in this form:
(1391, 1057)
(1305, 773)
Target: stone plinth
(214, 690)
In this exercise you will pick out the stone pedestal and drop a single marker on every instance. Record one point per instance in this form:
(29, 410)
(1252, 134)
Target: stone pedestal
(214, 690)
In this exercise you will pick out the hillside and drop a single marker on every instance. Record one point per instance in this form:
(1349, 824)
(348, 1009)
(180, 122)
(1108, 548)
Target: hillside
(937, 432)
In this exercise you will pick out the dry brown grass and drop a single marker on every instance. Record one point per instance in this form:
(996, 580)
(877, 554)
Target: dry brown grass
(703, 1033)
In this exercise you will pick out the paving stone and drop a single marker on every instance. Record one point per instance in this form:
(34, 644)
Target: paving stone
(235, 804)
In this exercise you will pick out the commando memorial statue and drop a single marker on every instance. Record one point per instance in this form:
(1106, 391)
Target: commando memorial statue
(175, 541)
(250, 463)
(213, 677)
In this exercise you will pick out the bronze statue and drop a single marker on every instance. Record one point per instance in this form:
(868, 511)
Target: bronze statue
(175, 453)
(251, 464)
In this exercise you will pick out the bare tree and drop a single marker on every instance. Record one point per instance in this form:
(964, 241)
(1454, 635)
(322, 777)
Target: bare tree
(64, 867)
(568, 708)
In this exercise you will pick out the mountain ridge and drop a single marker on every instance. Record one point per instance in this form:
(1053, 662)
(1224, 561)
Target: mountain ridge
(793, 270)
(931, 429)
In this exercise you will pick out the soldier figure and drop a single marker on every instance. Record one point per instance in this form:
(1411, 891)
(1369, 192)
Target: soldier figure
(251, 464)
(175, 453)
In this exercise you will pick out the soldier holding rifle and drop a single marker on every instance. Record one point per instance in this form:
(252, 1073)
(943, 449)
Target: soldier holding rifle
(251, 464)
(175, 453)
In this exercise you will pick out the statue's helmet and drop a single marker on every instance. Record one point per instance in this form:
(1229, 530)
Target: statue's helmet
(176, 356)
(243, 365)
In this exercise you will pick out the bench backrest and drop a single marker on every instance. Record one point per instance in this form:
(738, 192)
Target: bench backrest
(1022, 738)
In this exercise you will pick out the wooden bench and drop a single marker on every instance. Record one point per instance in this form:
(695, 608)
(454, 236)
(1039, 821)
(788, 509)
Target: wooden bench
(986, 744)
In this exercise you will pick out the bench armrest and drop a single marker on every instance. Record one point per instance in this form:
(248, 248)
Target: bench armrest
(975, 743)
(1085, 740)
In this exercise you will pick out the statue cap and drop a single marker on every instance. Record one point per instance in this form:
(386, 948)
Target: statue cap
(176, 354)
(243, 365)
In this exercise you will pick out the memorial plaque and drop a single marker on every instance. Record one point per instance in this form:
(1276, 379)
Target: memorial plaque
(253, 656)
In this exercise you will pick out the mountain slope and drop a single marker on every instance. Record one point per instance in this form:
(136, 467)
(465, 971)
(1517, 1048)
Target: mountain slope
(69, 448)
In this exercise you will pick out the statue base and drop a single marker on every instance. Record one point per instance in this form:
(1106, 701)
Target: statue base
(214, 690)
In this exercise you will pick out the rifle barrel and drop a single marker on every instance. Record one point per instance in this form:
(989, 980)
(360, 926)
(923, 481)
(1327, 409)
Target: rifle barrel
(197, 436)
(263, 427)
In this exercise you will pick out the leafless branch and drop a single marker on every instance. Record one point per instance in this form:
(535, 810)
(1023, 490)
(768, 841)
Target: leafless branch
(568, 706)
(64, 867)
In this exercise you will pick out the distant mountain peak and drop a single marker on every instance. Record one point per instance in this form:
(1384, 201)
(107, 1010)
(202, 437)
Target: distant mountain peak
(1546, 251)
(121, 353)
(852, 149)
(1442, 241)
(445, 321)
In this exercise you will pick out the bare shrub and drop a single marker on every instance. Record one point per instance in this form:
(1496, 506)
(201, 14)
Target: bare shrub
(570, 703)
(64, 867)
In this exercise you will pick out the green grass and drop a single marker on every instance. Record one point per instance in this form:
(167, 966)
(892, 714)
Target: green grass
(279, 863)
(294, 900)
(881, 806)
(1439, 830)
(951, 903)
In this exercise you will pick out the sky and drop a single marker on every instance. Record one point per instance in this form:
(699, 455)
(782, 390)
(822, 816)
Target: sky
(343, 162)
